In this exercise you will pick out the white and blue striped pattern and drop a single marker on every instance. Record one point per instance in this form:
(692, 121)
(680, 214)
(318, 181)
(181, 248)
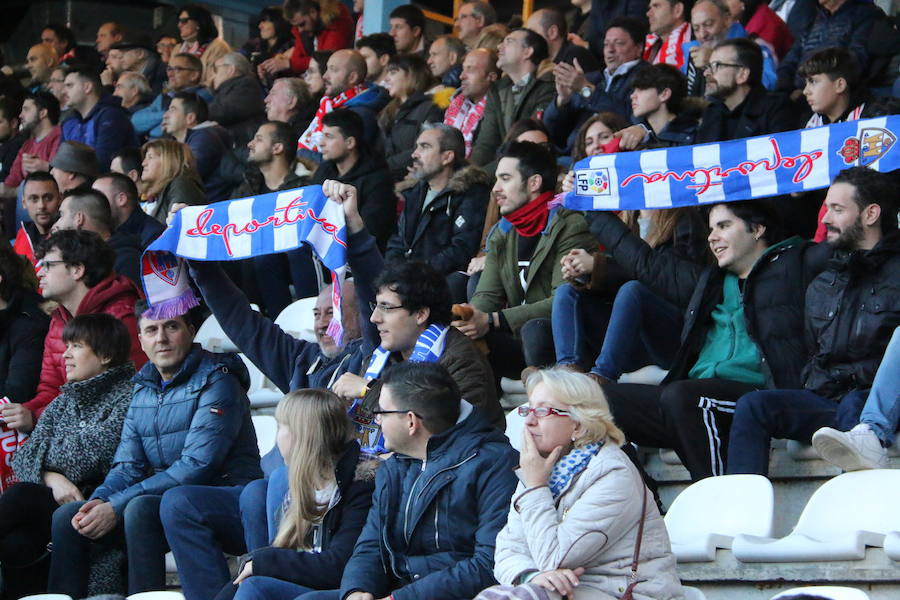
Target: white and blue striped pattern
(758, 167)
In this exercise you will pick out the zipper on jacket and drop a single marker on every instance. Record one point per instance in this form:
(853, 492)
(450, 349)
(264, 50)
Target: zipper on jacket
(409, 500)
(427, 483)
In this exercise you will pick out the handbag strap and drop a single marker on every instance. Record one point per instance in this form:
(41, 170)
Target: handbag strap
(640, 535)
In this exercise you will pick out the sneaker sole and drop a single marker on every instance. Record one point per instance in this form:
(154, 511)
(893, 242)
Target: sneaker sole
(839, 455)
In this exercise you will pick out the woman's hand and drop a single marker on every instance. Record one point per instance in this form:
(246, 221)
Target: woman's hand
(276, 64)
(563, 581)
(476, 265)
(63, 490)
(246, 572)
(568, 183)
(576, 263)
(174, 209)
(535, 468)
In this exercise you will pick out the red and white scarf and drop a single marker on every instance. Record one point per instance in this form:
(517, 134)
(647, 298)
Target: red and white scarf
(818, 120)
(359, 28)
(312, 136)
(465, 116)
(671, 51)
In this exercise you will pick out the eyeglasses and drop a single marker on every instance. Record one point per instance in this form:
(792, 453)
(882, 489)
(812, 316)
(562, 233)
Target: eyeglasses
(541, 411)
(164, 45)
(378, 413)
(46, 264)
(171, 69)
(383, 308)
(715, 66)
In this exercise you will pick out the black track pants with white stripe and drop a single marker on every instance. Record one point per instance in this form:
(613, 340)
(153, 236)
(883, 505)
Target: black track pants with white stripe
(692, 417)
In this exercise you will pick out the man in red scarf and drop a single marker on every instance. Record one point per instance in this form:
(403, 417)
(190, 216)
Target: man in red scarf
(515, 292)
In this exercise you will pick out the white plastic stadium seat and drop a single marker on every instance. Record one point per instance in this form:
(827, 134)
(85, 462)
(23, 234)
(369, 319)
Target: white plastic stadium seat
(692, 593)
(157, 595)
(730, 505)
(171, 567)
(266, 429)
(892, 545)
(515, 425)
(846, 514)
(47, 597)
(832, 592)
(297, 319)
(262, 392)
(213, 339)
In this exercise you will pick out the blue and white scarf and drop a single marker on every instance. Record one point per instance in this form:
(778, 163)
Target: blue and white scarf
(429, 348)
(243, 228)
(758, 167)
(570, 465)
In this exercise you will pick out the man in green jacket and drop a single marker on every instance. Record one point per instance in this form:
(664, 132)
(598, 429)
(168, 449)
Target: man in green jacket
(519, 94)
(522, 267)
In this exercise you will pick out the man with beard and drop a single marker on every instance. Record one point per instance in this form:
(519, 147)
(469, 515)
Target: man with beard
(740, 106)
(852, 310)
(443, 213)
(39, 120)
(41, 200)
(185, 72)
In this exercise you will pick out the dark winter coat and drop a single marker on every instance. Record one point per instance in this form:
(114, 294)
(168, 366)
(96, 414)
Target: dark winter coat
(400, 135)
(761, 113)
(447, 233)
(107, 129)
(23, 327)
(142, 225)
(238, 106)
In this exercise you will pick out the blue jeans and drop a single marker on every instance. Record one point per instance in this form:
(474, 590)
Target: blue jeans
(643, 329)
(202, 523)
(139, 530)
(321, 595)
(783, 414)
(268, 588)
(579, 322)
(253, 514)
(882, 408)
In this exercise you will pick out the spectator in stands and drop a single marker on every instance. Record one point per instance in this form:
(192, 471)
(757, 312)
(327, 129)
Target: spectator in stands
(519, 94)
(197, 398)
(64, 459)
(472, 18)
(603, 13)
(658, 104)
(165, 46)
(125, 210)
(407, 23)
(467, 107)
(765, 26)
(314, 74)
(865, 446)
(127, 161)
(61, 39)
(833, 88)
(346, 87)
(186, 120)
(578, 18)
(98, 121)
(733, 341)
(445, 56)
(443, 213)
(522, 266)
(76, 272)
(843, 23)
(349, 159)
(712, 23)
(200, 38)
(274, 38)
(669, 31)
(86, 209)
(407, 80)
(431, 430)
(41, 200)
(859, 287)
(409, 303)
(576, 516)
(377, 49)
(798, 16)
(23, 326)
(40, 62)
(185, 74)
(550, 23)
(108, 33)
(74, 165)
(11, 138)
(168, 175)
(134, 91)
(579, 96)
(319, 24)
(38, 119)
(139, 56)
(314, 539)
(56, 85)
(238, 102)
(740, 107)
(290, 101)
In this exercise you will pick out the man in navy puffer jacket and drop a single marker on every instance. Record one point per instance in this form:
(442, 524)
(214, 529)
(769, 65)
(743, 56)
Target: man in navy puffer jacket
(188, 423)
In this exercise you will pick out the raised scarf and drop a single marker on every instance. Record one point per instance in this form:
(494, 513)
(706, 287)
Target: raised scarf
(570, 465)
(465, 115)
(311, 138)
(531, 219)
(671, 51)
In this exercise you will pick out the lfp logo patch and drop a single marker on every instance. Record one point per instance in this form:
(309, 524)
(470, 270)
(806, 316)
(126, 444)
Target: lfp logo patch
(592, 182)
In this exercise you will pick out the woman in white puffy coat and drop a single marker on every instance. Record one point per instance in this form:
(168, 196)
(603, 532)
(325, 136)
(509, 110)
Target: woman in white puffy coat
(573, 521)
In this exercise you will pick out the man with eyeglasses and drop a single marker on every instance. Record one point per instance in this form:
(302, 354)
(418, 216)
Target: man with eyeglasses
(740, 106)
(185, 72)
(473, 16)
(76, 270)
(439, 500)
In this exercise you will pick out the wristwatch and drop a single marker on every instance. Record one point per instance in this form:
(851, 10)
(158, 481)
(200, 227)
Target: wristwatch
(586, 91)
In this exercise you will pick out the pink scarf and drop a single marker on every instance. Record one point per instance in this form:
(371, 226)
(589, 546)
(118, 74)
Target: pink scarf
(312, 136)
(465, 116)
(671, 51)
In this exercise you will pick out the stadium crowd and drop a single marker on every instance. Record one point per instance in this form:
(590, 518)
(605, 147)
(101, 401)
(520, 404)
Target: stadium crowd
(391, 476)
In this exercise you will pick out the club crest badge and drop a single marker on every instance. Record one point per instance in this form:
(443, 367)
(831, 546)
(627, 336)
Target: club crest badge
(163, 265)
(868, 148)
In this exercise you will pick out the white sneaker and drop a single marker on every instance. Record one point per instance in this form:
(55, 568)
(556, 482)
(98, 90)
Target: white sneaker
(851, 450)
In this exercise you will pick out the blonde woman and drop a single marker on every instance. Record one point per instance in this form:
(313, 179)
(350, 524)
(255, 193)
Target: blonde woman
(329, 491)
(168, 176)
(574, 519)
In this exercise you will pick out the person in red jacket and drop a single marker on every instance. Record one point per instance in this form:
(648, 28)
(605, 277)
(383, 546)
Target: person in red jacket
(322, 24)
(77, 272)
